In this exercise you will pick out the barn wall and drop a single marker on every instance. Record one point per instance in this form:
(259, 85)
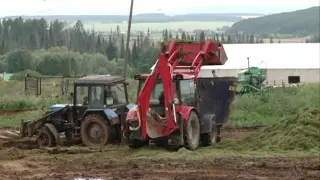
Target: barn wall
(306, 75)
(276, 76)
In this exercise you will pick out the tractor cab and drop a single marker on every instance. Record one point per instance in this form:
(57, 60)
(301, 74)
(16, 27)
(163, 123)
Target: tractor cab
(100, 92)
(184, 92)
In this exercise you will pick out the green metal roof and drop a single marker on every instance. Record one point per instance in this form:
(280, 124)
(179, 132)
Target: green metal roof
(5, 76)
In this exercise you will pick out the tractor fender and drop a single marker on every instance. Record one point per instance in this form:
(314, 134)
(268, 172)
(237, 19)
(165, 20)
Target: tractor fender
(54, 132)
(109, 114)
(206, 122)
(185, 111)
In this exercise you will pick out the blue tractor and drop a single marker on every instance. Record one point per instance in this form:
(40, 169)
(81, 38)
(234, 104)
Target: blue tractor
(100, 105)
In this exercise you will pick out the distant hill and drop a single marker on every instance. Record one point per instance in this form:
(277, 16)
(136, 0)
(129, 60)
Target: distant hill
(300, 22)
(148, 18)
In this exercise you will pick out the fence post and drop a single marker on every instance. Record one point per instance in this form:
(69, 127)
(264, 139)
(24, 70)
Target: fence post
(62, 86)
(25, 84)
(66, 86)
(37, 86)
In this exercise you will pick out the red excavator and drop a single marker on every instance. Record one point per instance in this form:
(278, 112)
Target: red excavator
(175, 107)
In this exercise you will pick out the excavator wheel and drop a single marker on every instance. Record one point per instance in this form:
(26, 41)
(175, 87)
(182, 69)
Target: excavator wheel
(208, 139)
(95, 131)
(45, 138)
(191, 132)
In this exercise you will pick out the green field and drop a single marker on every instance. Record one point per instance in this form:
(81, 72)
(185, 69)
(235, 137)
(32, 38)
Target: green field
(187, 26)
(290, 142)
(247, 110)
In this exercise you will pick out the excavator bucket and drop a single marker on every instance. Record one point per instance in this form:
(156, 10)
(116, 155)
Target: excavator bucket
(217, 95)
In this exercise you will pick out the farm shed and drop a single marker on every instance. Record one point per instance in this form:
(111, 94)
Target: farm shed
(5, 76)
(284, 62)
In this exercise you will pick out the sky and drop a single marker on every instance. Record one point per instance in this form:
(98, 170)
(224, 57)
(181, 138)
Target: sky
(169, 7)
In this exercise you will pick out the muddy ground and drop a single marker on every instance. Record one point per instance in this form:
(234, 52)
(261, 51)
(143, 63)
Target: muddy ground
(19, 161)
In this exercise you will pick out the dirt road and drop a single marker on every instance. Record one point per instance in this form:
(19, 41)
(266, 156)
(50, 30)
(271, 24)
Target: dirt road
(10, 113)
(148, 164)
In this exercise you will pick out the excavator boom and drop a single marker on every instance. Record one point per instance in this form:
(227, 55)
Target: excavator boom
(174, 57)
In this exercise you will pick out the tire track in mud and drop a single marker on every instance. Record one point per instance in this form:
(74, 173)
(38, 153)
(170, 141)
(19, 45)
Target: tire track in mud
(231, 133)
(58, 166)
(12, 113)
(224, 168)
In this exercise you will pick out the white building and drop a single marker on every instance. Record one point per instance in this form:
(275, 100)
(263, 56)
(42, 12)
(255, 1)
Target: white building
(288, 63)
(285, 62)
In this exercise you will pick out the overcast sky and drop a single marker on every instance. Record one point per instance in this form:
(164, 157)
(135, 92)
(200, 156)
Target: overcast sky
(170, 7)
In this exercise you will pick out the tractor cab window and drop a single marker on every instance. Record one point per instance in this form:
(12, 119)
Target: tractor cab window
(82, 95)
(156, 93)
(187, 89)
(119, 92)
(115, 95)
(96, 96)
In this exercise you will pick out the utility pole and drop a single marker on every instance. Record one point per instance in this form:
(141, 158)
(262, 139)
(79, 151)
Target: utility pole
(128, 40)
(68, 47)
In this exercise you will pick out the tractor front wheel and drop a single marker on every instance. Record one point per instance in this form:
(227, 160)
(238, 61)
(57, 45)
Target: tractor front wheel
(191, 132)
(95, 131)
(45, 138)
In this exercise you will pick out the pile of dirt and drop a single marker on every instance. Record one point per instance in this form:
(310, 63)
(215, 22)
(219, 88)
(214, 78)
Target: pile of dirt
(297, 132)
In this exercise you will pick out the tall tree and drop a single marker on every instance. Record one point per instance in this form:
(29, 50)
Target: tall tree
(229, 40)
(122, 48)
(111, 50)
(251, 39)
(134, 54)
(177, 36)
(271, 39)
(202, 37)
(183, 36)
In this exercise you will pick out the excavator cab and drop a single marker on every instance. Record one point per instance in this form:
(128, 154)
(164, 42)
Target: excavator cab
(184, 93)
(169, 98)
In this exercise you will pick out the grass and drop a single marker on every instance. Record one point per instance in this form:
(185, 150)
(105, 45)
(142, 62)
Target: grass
(247, 109)
(273, 106)
(14, 120)
(289, 134)
(185, 25)
(299, 132)
(29, 103)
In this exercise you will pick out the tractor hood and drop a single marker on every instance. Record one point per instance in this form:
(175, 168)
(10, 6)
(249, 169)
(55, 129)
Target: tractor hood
(58, 106)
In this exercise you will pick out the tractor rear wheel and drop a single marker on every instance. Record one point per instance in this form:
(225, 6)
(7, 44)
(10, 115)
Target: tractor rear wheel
(45, 138)
(95, 131)
(208, 139)
(191, 132)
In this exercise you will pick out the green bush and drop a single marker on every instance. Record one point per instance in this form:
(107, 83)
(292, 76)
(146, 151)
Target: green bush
(28, 103)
